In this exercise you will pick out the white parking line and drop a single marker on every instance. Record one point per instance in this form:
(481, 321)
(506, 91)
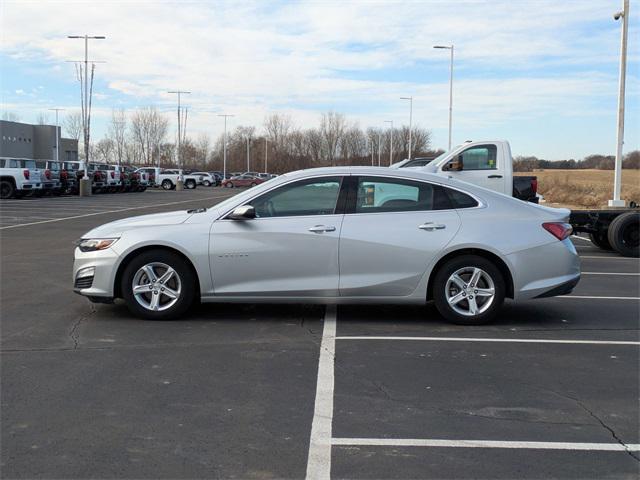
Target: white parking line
(319, 460)
(419, 442)
(581, 238)
(481, 339)
(611, 273)
(594, 297)
(112, 211)
(612, 257)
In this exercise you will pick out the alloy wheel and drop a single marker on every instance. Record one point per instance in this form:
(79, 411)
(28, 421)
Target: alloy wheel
(470, 291)
(156, 286)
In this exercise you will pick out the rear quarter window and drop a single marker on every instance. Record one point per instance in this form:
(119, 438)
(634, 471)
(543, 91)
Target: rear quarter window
(459, 199)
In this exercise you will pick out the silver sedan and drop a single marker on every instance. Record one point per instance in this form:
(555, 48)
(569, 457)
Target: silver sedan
(336, 235)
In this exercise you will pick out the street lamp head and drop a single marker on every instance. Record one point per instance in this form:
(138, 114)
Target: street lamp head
(406, 98)
(618, 15)
(446, 47)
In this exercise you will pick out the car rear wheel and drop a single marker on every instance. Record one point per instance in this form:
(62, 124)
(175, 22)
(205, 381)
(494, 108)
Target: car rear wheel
(158, 285)
(468, 290)
(190, 184)
(206, 183)
(167, 184)
(229, 185)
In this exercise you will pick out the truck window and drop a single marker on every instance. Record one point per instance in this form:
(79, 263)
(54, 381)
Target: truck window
(480, 157)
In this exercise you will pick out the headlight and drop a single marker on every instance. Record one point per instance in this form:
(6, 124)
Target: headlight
(93, 244)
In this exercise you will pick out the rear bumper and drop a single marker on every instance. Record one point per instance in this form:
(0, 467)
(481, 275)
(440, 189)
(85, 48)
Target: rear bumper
(563, 289)
(542, 271)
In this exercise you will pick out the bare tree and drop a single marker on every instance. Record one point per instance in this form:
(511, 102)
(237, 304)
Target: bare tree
(149, 129)
(202, 148)
(73, 125)
(103, 150)
(278, 127)
(118, 134)
(43, 119)
(332, 127)
(10, 116)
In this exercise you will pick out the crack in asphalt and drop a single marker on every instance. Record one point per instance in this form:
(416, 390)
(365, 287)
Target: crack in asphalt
(74, 334)
(595, 417)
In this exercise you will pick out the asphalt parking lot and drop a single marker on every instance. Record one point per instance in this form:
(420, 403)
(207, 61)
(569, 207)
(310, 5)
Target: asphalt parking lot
(550, 390)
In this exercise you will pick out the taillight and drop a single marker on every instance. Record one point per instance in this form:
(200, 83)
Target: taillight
(558, 229)
(26, 174)
(113, 174)
(64, 174)
(534, 185)
(47, 173)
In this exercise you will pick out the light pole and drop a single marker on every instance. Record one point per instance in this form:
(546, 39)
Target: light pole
(248, 148)
(379, 145)
(224, 146)
(57, 135)
(449, 47)
(410, 119)
(180, 181)
(266, 154)
(391, 142)
(617, 177)
(85, 183)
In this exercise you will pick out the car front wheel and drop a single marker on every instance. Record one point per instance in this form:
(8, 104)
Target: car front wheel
(158, 285)
(206, 183)
(468, 290)
(167, 184)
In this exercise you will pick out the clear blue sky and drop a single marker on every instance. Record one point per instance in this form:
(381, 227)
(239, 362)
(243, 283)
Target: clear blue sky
(542, 74)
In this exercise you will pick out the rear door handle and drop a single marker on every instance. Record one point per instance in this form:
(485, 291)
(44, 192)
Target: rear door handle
(430, 226)
(322, 229)
(494, 176)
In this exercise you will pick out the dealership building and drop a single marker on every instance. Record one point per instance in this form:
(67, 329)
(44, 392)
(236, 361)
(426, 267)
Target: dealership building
(36, 142)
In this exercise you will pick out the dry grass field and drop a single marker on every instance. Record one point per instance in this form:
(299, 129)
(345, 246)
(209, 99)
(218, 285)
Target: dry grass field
(584, 188)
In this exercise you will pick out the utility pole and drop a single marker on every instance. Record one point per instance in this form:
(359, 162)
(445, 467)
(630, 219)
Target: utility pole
(617, 178)
(85, 182)
(449, 47)
(180, 182)
(391, 142)
(410, 119)
(379, 145)
(224, 147)
(57, 133)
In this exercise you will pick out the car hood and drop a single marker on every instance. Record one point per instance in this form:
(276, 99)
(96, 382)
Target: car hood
(156, 219)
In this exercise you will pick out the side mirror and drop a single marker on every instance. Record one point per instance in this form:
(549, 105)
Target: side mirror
(245, 212)
(455, 165)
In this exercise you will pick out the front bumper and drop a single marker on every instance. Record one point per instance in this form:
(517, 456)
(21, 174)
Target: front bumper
(104, 263)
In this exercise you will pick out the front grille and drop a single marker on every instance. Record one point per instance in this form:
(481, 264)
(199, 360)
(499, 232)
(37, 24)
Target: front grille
(83, 282)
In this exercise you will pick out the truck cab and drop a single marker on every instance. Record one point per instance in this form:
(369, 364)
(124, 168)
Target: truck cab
(487, 163)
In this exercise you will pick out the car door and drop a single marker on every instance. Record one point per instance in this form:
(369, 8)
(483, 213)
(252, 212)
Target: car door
(289, 249)
(392, 230)
(480, 166)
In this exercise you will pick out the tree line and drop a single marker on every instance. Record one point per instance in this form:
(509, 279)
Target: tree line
(599, 162)
(142, 138)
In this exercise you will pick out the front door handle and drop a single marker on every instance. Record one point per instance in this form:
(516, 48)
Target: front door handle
(322, 229)
(430, 226)
(494, 176)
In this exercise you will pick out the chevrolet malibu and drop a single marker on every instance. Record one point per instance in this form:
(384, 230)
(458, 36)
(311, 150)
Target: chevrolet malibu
(335, 236)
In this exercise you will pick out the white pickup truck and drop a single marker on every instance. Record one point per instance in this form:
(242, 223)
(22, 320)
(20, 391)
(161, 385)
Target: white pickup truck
(489, 164)
(168, 179)
(18, 178)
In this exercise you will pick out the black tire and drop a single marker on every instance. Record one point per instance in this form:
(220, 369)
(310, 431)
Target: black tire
(623, 234)
(253, 184)
(440, 293)
(7, 189)
(229, 185)
(167, 184)
(206, 183)
(600, 240)
(186, 276)
(190, 184)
